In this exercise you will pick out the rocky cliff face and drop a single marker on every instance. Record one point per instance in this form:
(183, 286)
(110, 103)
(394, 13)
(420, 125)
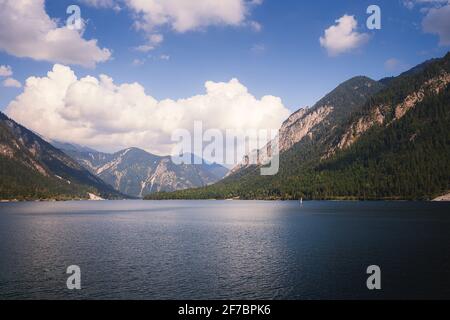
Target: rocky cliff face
(303, 126)
(137, 173)
(386, 113)
(313, 123)
(337, 111)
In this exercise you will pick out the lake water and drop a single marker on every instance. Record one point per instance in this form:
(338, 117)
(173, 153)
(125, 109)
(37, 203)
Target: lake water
(224, 249)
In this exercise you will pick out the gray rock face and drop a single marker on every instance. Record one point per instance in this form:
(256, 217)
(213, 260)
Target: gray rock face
(378, 114)
(322, 121)
(137, 173)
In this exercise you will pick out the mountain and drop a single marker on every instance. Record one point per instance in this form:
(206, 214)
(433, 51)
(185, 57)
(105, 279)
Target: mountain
(417, 69)
(321, 122)
(69, 146)
(31, 168)
(364, 140)
(136, 172)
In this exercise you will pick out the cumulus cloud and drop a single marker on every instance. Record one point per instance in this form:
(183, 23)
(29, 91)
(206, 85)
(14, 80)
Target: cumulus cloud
(437, 21)
(11, 83)
(184, 16)
(5, 71)
(343, 37)
(151, 16)
(27, 31)
(101, 114)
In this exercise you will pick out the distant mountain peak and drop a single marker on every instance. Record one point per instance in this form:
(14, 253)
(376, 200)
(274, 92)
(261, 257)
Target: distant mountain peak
(136, 172)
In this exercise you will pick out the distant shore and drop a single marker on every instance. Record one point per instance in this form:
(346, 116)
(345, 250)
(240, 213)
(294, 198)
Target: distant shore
(443, 198)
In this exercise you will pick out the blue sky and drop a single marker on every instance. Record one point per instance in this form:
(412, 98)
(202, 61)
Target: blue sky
(284, 58)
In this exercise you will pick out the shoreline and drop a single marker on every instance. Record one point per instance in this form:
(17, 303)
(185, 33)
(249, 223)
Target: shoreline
(443, 198)
(95, 198)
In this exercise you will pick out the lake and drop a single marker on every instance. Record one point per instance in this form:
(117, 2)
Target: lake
(224, 249)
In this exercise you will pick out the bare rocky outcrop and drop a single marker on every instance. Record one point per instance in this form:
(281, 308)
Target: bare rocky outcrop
(360, 127)
(445, 197)
(299, 125)
(295, 131)
(6, 151)
(325, 115)
(432, 86)
(377, 114)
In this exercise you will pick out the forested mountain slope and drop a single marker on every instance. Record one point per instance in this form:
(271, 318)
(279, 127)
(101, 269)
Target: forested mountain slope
(31, 168)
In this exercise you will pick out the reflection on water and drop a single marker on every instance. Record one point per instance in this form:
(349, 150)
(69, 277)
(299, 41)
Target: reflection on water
(224, 249)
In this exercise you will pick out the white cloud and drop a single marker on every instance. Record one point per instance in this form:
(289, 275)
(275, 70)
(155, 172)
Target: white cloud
(410, 4)
(100, 3)
(27, 31)
(5, 71)
(151, 16)
(437, 17)
(343, 37)
(138, 62)
(437, 21)
(153, 41)
(11, 83)
(184, 16)
(101, 114)
(256, 26)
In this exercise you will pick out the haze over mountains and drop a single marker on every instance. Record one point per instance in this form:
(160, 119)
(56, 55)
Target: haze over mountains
(387, 139)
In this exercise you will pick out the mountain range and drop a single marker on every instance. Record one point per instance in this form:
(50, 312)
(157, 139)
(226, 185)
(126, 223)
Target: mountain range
(366, 139)
(31, 168)
(137, 173)
(387, 139)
